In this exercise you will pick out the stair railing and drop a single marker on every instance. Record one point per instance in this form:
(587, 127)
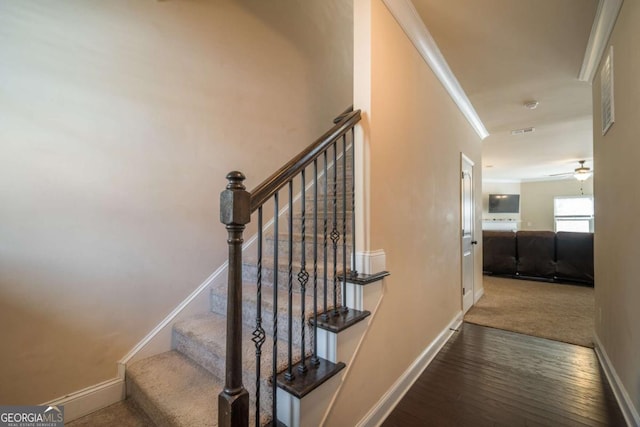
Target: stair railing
(324, 156)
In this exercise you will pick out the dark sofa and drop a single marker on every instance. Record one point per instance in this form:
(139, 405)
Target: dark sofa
(545, 255)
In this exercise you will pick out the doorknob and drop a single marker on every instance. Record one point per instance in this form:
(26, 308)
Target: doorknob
(474, 242)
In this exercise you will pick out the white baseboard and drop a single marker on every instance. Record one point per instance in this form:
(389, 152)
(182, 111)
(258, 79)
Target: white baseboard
(626, 405)
(390, 399)
(90, 399)
(477, 295)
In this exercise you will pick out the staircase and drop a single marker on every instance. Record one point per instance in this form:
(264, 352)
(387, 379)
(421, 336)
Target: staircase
(293, 281)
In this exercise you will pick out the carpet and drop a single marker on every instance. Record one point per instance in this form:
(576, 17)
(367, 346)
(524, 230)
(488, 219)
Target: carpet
(122, 414)
(548, 310)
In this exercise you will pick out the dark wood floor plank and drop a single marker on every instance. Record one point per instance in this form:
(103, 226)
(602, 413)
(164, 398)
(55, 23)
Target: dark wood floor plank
(511, 398)
(527, 384)
(530, 401)
(522, 378)
(489, 377)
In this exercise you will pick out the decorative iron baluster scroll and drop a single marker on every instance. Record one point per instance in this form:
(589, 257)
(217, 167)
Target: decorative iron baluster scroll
(259, 335)
(325, 308)
(303, 276)
(315, 360)
(335, 235)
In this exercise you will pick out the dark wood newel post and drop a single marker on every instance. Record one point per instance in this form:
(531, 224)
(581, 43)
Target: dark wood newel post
(235, 213)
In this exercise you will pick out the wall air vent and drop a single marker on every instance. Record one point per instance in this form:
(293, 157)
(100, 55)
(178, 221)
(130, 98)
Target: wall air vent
(522, 131)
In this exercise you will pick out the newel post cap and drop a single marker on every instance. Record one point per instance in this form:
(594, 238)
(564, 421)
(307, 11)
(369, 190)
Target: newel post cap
(235, 201)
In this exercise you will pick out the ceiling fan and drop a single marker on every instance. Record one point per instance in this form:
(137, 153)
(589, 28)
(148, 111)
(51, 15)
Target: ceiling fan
(581, 173)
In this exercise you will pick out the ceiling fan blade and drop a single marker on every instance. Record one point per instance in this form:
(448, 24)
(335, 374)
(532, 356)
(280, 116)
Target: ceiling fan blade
(562, 174)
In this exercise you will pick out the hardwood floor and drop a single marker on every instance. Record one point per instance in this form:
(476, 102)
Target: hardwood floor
(490, 377)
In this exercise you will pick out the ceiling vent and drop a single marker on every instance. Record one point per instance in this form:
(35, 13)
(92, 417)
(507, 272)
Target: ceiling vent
(522, 131)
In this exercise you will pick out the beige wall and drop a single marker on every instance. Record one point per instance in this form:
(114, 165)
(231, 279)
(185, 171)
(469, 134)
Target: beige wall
(536, 200)
(617, 208)
(416, 136)
(119, 121)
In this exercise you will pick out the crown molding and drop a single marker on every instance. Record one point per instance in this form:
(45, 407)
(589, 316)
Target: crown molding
(603, 24)
(409, 20)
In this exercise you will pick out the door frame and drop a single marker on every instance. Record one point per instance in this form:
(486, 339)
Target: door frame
(467, 297)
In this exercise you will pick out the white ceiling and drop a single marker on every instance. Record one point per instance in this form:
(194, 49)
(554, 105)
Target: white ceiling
(506, 52)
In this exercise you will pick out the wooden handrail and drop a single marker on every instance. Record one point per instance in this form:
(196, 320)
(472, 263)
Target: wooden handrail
(275, 182)
(340, 116)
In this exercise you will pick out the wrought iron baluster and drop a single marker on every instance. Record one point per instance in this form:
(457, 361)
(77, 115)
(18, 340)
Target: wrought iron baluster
(344, 223)
(325, 313)
(303, 276)
(335, 235)
(354, 271)
(274, 366)
(259, 334)
(289, 375)
(315, 360)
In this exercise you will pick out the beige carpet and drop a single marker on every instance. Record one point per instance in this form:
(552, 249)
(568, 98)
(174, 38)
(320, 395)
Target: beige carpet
(121, 414)
(547, 310)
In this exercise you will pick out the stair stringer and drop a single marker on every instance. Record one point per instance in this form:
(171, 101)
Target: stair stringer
(314, 408)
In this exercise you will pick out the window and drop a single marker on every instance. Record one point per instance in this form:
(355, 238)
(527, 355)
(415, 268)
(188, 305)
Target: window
(573, 213)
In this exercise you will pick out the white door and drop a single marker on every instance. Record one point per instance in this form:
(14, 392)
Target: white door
(467, 233)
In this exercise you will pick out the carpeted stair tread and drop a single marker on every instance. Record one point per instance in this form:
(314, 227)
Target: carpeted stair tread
(122, 414)
(219, 306)
(250, 301)
(322, 196)
(297, 236)
(338, 198)
(174, 391)
(203, 337)
(250, 268)
(297, 219)
(297, 253)
(283, 244)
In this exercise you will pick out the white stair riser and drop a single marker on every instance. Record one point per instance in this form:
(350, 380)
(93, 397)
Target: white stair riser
(310, 410)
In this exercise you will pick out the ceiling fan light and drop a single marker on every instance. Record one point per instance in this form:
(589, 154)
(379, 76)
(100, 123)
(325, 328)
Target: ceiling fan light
(582, 175)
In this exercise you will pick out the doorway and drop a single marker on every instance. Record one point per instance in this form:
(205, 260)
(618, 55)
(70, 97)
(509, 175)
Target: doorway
(467, 231)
